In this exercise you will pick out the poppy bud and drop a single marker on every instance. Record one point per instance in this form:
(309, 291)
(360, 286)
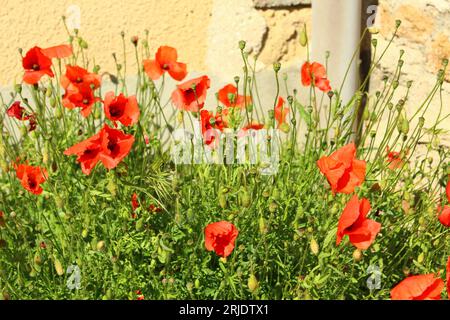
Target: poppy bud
(395, 84)
(276, 193)
(242, 44)
(303, 37)
(134, 40)
(37, 259)
(398, 23)
(284, 127)
(366, 114)
(82, 43)
(84, 233)
(18, 88)
(420, 258)
(404, 126)
(314, 246)
(421, 122)
(374, 42)
(222, 200)
(252, 283)
(100, 245)
(58, 267)
(139, 224)
(197, 283)
(262, 225)
(273, 207)
(357, 255)
(112, 187)
(244, 198)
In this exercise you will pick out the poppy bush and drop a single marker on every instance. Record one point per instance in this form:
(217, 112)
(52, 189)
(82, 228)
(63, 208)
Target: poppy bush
(93, 204)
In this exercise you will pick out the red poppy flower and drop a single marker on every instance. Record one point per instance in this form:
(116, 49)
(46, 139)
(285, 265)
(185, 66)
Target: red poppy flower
(420, 287)
(31, 177)
(36, 65)
(448, 277)
(87, 152)
(209, 122)
(444, 215)
(228, 95)
(281, 112)
(134, 201)
(253, 126)
(154, 208)
(191, 95)
(17, 111)
(76, 76)
(110, 146)
(122, 109)
(115, 146)
(315, 73)
(165, 60)
(220, 237)
(447, 190)
(343, 171)
(82, 97)
(60, 52)
(394, 159)
(139, 294)
(354, 223)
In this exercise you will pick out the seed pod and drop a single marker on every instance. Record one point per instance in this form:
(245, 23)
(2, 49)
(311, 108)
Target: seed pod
(58, 267)
(262, 225)
(273, 207)
(420, 258)
(100, 245)
(357, 255)
(37, 259)
(314, 247)
(244, 198)
(252, 283)
(222, 200)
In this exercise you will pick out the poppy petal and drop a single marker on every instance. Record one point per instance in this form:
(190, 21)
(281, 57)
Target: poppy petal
(60, 52)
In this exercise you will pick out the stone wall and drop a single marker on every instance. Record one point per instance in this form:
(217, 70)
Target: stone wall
(424, 35)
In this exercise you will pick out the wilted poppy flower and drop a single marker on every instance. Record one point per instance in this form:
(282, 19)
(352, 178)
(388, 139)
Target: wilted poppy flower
(76, 76)
(209, 122)
(154, 208)
(343, 171)
(420, 287)
(82, 97)
(110, 146)
(60, 52)
(17, 111)
(281, 112)
(394, 159)
(165, 60)
(36, 65)
(31, 177)
(354, 223)
(220, 237)
(191, 95)
(316, 74)
(228, 95)
(122, 109)
(444, 215)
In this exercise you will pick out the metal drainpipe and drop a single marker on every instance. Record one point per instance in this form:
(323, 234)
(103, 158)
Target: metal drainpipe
(336, 27)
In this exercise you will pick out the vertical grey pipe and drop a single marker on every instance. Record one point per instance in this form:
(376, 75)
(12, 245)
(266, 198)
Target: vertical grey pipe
(336, 27)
